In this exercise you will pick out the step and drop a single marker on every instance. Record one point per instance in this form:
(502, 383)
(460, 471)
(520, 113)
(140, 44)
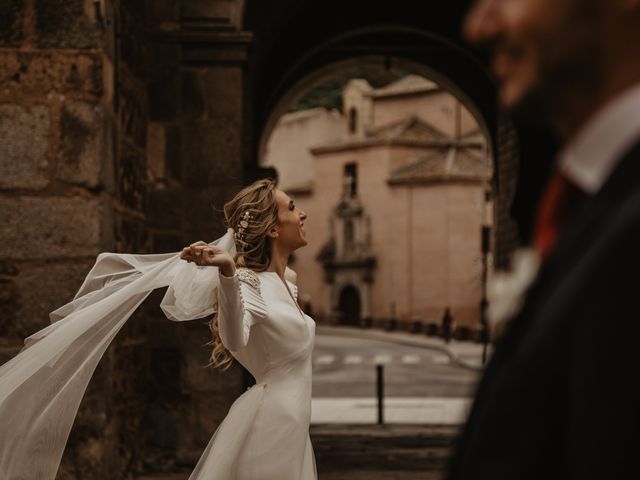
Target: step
(408, 449)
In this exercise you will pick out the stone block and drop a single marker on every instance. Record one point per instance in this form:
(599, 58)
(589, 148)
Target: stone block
(11, 21)
(38, 73)
(133, 111)
(37, 228)
(212, 152)
(195, 375)
(166, 55)
(223, 92)
(23, 150)
(165, 209)
(167, 242)
(66, 24)
(193, 95)
(40, 289)
(85, 144)
(218, 11)
(130, 235)
(203, 215)
(132, 178)
(164, 93)
(173, 156)
(156, 134)
(135, 51)
(8, 304)
(166, 14)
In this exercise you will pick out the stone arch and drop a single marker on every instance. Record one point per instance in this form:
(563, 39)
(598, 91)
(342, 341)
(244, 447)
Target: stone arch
(455, 67)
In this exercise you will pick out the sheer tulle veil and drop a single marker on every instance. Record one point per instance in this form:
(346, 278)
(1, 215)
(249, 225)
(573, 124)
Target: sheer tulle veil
(41, 387)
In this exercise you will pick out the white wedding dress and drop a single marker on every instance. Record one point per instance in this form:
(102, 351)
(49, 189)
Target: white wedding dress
(265, 435)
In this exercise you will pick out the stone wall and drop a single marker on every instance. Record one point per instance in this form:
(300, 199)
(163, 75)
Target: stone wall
(58, 192)
(109, 143)
(195, 163)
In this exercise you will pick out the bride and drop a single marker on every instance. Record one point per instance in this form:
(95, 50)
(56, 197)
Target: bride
(243, 278)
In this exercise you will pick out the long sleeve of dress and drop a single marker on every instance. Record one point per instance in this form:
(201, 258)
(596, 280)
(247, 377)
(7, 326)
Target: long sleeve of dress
(240, 306)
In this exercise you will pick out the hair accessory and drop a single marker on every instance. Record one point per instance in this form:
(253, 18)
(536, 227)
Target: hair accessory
(241, 228)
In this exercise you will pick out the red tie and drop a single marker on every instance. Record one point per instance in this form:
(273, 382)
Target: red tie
(554, 211)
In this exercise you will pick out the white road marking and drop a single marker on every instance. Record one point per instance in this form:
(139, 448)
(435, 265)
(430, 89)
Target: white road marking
(410, 359)
(407, 410)
(382, 359)
(441, 359)
(324, 359)
(352, 359)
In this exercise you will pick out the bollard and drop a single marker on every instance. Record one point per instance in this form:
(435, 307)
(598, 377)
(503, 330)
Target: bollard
(380, 392)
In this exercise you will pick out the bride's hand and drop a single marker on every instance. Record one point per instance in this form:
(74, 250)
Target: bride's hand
(209, 256)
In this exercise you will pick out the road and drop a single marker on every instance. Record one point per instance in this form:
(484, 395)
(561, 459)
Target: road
(345, 367)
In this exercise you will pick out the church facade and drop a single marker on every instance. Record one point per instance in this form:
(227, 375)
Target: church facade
(396, 199)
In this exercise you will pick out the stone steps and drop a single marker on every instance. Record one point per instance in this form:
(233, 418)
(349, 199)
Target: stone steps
(373, 452)
(382, 451)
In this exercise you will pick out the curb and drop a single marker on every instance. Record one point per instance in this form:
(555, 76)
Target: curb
(399, 338)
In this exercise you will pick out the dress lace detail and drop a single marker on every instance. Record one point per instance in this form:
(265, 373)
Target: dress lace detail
(250, 277)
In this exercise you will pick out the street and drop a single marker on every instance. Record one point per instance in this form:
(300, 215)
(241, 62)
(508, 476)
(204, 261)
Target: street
(421, 384)
(345, 367)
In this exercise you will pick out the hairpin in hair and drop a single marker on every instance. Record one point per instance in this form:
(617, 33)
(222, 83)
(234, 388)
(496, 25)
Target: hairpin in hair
(241, 228)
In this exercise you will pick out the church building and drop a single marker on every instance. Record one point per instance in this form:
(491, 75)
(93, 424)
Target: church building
(397, 190)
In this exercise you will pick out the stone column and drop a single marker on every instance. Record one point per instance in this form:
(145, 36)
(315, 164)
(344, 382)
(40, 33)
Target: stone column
(195, 152)
(505, 229)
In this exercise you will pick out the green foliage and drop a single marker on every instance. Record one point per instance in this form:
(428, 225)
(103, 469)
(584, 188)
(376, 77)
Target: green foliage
(329, 93)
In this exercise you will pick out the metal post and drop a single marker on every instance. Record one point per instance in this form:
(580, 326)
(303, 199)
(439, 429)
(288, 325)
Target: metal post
(380, 392)
(486, 245)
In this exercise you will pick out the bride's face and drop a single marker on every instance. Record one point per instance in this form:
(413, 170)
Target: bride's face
(289, 232)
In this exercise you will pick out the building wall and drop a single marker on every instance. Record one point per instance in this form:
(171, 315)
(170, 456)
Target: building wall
(426, 237)
(446, 252)
(426, 240)
(438, 108)
(288, 146)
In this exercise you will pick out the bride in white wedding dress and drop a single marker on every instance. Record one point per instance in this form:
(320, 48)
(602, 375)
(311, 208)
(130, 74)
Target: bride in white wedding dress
(265, 436)
(242, 277)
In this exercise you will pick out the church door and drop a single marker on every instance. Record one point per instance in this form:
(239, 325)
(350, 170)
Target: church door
(349, 306)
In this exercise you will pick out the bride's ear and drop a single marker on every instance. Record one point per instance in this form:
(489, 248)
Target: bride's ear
(273, 232)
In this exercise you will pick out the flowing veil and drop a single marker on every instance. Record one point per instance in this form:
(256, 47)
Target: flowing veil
(41, 387)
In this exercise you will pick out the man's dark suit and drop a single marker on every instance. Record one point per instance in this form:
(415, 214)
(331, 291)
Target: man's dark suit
(559, 397)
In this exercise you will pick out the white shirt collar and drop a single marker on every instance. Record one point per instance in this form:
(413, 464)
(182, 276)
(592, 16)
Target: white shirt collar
(590, 157)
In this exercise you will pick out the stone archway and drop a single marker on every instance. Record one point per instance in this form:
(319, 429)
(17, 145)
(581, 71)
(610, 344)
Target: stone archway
(426, 52)
(349, 306)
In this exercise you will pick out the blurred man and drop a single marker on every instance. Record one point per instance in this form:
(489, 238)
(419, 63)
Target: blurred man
(558, 398)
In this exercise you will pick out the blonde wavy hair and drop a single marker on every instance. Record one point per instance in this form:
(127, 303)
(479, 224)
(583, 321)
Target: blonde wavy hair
(253, 250)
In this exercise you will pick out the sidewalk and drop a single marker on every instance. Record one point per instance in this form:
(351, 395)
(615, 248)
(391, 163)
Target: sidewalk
(397, 410)
(463, 353)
